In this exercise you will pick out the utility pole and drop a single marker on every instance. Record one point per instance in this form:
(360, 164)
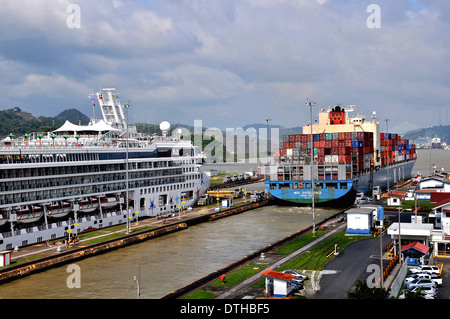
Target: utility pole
(387, 132)
(127, 106)
(311, 104)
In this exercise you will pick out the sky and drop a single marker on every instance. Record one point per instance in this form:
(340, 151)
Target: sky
(229, 63)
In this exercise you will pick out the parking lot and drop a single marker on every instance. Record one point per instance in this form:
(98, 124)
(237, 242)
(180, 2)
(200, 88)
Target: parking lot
(443, 291)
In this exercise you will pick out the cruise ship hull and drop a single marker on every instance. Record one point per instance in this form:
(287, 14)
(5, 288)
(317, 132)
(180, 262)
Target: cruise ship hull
(342, 192)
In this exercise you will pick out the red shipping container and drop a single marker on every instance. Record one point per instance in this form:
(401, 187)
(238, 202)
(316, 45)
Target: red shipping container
(328, 144)
(341, 136)
(334, 143)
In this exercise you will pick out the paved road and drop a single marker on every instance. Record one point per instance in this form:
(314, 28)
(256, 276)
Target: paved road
(351, 265)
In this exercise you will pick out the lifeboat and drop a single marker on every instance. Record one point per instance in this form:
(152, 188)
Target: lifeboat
(25, 215)
(108, 202)
(57, 210)
(88, 205)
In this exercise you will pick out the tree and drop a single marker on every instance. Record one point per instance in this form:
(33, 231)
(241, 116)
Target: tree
(362, 291)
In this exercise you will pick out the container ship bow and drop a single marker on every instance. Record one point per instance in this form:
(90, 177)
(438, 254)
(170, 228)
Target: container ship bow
(350, 156)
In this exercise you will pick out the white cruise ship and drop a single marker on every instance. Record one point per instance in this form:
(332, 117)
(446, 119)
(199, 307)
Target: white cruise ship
(75, 178)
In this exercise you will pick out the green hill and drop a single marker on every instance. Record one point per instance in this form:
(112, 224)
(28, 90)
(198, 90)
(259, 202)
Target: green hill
(442, 131)
(19, 122)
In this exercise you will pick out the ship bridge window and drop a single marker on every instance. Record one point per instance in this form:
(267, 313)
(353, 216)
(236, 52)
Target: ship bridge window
(273, 186)
(343, 185)
(285, 185)
(332, 185)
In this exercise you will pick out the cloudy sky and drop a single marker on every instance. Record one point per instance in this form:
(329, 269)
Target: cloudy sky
(229, 62)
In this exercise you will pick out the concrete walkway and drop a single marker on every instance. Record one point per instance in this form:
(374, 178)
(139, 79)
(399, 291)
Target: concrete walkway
(229, 294)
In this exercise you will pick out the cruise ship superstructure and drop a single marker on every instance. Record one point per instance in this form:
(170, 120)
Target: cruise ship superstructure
(75, 178)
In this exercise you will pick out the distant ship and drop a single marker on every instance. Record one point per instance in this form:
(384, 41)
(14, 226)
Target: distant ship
(350, 156)
(79, 178)
(436, 142)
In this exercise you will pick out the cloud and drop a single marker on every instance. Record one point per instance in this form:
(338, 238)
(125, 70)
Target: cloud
(229, 63)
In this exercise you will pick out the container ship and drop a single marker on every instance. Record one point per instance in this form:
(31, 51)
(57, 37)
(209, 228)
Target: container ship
(78, 178)
(436, 142)
(351, 156)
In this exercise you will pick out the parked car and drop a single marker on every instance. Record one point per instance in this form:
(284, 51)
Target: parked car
(296, 287)
(296, 273)
(420, 282)
(427, 292)
(426, 268)
(410, 278)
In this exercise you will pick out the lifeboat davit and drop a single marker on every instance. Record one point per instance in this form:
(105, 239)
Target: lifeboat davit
(25, 215)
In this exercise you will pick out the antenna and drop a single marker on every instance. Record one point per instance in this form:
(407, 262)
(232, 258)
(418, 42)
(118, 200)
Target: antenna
(92, 97)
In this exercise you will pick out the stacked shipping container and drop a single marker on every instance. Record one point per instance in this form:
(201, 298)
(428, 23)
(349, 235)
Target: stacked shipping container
(395, 149)
(356, 148)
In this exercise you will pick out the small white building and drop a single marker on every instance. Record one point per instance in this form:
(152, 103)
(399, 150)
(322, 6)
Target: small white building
(278, 284)
(436, 183)
(5, 258)
(410, 232)
(360, 220)
(396, 198)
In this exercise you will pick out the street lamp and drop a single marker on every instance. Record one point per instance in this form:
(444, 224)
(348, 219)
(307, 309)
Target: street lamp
(387, 132)
(311, 104)
(268, 147)
(127, 106)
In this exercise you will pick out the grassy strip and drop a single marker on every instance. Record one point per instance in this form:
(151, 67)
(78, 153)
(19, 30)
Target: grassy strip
(231, 280)
(299, 243)
(200, 294)
(316, 258)
(239, 275)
